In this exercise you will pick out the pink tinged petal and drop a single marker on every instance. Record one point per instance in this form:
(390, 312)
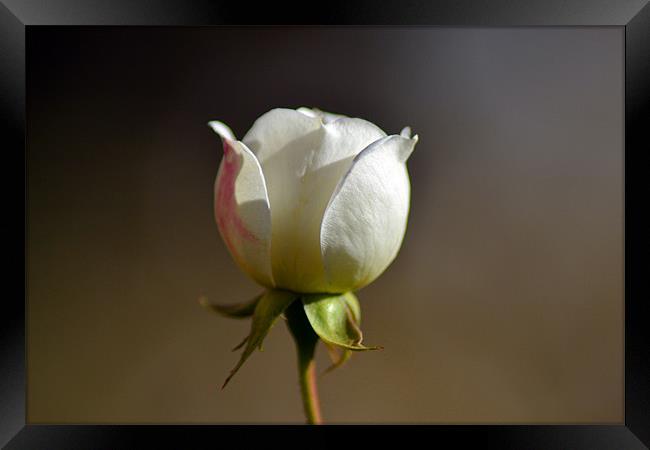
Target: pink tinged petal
(242, 210)
(222, 130)
(365, 220)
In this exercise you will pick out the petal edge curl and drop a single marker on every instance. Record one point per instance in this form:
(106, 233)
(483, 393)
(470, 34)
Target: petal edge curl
(242, 209)
(365, 220)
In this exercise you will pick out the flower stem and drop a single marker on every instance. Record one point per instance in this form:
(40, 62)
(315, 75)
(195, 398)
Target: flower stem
(306, 340)
(308, 388)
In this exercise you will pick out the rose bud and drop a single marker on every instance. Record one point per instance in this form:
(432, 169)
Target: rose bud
(312, 206)
(313, 202)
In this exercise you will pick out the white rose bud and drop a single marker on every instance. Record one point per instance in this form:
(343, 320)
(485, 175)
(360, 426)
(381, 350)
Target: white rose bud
(313, 202)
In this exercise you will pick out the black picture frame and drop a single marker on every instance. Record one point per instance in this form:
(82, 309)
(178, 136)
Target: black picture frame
(18, 16)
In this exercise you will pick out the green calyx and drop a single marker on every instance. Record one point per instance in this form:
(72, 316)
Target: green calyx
(333, 318)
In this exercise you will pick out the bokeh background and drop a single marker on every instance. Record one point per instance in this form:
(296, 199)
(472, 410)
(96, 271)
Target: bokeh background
(505, 304)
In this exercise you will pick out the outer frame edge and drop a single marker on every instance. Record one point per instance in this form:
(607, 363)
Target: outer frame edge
(637, 310)
(633, 417)
(12, 319)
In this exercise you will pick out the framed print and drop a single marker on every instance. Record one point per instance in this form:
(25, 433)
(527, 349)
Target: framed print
(463, 177)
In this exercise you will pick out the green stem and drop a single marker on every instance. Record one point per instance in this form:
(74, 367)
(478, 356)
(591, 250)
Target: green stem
(308, 388)
(306, 340)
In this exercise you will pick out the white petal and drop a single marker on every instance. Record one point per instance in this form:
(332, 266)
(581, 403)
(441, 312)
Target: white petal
(222, 130)
(326, 117)
(278, 128)
(303, 159)
(307, 111)
(242, 209)
(365, 221)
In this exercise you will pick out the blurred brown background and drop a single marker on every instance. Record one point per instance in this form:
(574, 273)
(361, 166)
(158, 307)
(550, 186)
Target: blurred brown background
(505, 303)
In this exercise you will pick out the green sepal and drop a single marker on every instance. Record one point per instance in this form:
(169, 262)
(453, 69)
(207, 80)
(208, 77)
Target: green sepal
(338, 356)
(334, 317)
(353, 303)
(240, 345)
(269, 307)
(233, 310)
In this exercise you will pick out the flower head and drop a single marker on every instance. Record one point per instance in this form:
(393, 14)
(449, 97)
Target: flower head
(313, 202)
